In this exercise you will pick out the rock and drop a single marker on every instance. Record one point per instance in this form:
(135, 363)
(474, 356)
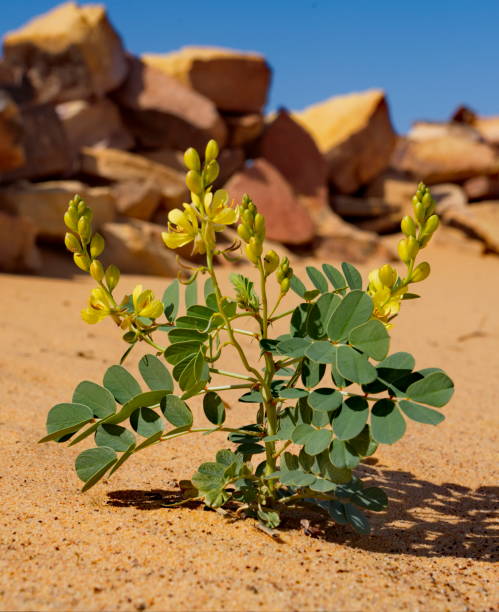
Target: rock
(93, 124)
(287, 220)
(15, 84)
(393, 188)
(445, 153)
(243, 129)
(487, 127)
(18, 252)
(138, 199)
(449, 197)
(44, 204)
(431, 130)
(479, 221)
(11, 134)
(482, 187)
(233, 80)
(115, 165)
(161, 112)
(355, 134)
(69, 53)
(44, 143)
(348, 206)
(136, 248)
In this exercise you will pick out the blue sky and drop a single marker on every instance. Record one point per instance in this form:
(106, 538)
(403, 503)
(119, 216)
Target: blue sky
(429, 56)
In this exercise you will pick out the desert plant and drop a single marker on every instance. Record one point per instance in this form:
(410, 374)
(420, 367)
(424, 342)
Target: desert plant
(323, 395)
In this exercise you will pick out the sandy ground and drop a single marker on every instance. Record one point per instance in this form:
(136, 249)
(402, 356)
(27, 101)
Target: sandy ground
(116, 548)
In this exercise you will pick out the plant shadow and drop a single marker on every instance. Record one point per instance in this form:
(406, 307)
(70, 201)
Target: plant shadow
(423, 519)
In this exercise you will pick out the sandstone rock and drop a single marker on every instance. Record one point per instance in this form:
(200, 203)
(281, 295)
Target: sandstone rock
(287, 220)
(233, 80)
(482, 187)
(243, 129)
(161, 112)
(115, 165)
(93, 124)
(355, 134)
(431, 130)
(15, 84)
(348, 206)
(393, 188)
(449, 197)
(44, 204)
(69, 53)
(136, 248)
(44, 143)
(138, 199)
(18, 252)
(479, 221)
(11, 135)
(487, 127)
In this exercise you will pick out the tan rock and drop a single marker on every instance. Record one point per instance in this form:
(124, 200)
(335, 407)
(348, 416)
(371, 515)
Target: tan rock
(234, 80)
(348, 206)
(243, 129)
(69, 53)
(44, 204)
(449, 197)
(136, 198)
(11, 135)
(479, 221)
(163, 113)
(136, 248)
(487, 127)
(115, 165)
(93, 124)
(16, 84)
(393, 188)
(355, 134)
(482, 187)
(18, 251)
(287, 220)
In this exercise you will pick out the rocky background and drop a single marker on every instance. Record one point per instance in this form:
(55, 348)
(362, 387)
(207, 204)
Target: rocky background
(78, 114)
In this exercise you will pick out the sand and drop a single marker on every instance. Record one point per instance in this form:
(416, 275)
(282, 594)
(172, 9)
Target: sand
(117, 548)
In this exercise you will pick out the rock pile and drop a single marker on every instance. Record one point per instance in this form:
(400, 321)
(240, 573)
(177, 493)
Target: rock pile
(78, 114)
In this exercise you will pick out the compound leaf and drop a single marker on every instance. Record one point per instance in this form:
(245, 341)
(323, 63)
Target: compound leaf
(99, 399)
(155, 374)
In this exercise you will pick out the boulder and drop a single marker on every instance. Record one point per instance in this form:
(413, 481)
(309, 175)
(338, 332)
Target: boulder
(482, 187)
(234, 81)
(136, 247)
(161, 112)
(487, 127)
(44, 204)
(287, 220)
(44, 143)
(18, 252)
(479, 221)
(137, 198)
(93, 124)
(115, 165)
(11, 134)
(355, 134)
(15, 84)
(69, 53)
(349, 206)
(243, 129)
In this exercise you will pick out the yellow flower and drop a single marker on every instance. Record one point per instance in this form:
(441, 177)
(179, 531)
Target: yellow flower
(385, 299)
(183, 227)
(145, 304)
(100, 305)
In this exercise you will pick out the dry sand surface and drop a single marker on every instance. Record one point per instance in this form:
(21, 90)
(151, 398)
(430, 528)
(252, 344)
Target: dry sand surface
(117, 548)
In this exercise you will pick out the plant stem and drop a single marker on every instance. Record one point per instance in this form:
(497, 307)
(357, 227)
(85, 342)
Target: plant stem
(210, 429)
(244, 332)
(280, 316)
(148, 340)
(232, 374)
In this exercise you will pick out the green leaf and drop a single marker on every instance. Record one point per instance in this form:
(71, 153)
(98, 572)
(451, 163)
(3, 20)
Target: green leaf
(269, 518)
(343, 455)
(179, 351)
(311, 294)
(121, 383)
(320, 315)
(322, 486)
(336, 511)
(421, 414)
(318, 441)
(146, 422)
(292, 393)
(299, 320)
(245, 292)
(126, 455)
(114, 436)
(227, 457)
(293, 347)
(92, 464)
(363, 445)
(66, 418)
(371, 338)
(357, 519)
(180, 334)
(325, 399)
(150, 440)
(214, 408)
(354, 310)
(398, 361)
(321, 352)
(208, 288)
(371, 498)
(311, 373)
(98, 399)
(176, 411)
(148, 398)
(351, 418)
(387, 424)
(335, 277)
(191, 293)
(192, 371)
(252, 397)
(354, 366)
(435, 390)
(353, 276)
(301, 433)
(297, 478)
(209, 476)
(297, 286)
(155, 374)
(317, 279)
(171, 298)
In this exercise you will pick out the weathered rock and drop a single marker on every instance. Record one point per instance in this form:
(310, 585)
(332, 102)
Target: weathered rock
(69, 53)
(243, 129)
(482, 187)
(487, 127)
(15, 84)
(136, 198)
(233, 80)
(44, 143)
(115, 165)
(479, 221)
(287, 220)
(93, 124)
(11, 135)
(161, 112)
(393, 188)
(355, 134)
(136, 247)
(348, 206)
(449, 197)
(18, 252)
(431, 130)
(44, 204)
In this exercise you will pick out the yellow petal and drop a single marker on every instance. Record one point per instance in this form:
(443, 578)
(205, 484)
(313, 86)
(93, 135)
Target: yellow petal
(174, 240)
(178, 217)
(135, 295)
(153, 310)
(227, 216)
(92, 316)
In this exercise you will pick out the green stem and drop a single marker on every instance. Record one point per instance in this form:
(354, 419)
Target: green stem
(280, 316)
(244, 332)
(232, 374)
(148, 340)
(209, 429)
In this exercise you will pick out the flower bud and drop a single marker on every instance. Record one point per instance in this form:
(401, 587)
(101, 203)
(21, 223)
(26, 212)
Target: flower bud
(191, 160)
(245, 200)
(81, 208)
(84, 229)
(247, 218)
(387, 275)
(82, 261)
(71, 219)
(284, 285)
(97, 245)
(270, 262)
(211, 172)
(256, 245)
(403, 251)
(427, 200)
(194, 181)
(412, 247)
(112, 276)
(419, 211)
(408, 226)
(420, 272)
(431, 224)
(244, 232)
(72, 243)
(97, 270)
(260, 226)
(211, 151)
